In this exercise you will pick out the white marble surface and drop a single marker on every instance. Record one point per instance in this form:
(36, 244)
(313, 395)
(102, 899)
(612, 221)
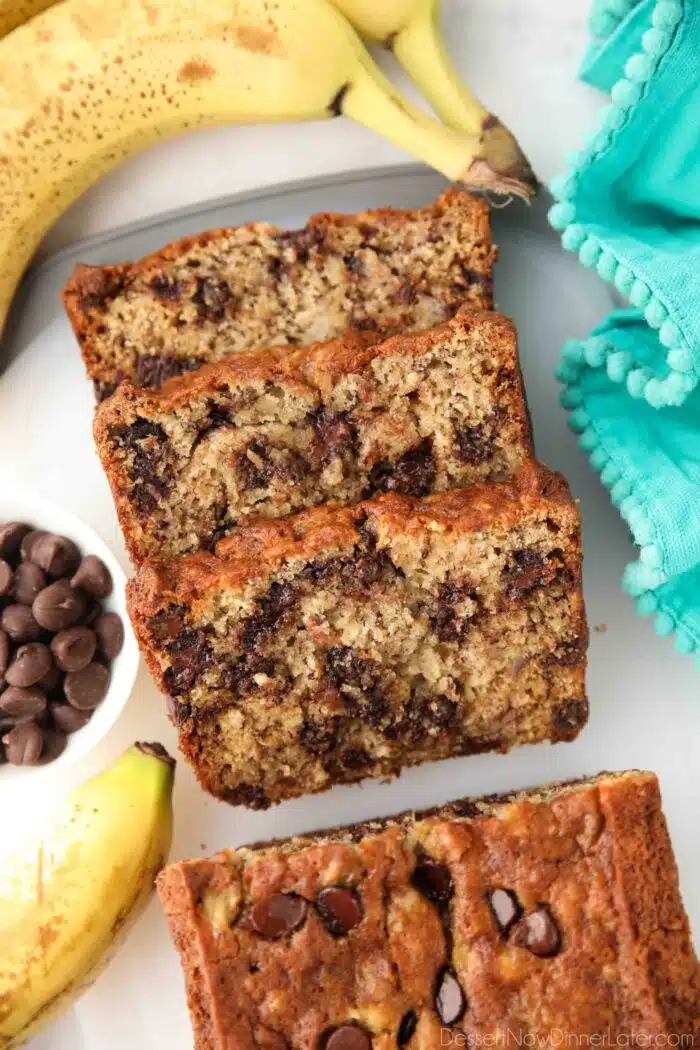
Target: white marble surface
(520, 56)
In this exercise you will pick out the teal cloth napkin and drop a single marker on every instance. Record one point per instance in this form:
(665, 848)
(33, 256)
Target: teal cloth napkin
(630, 208)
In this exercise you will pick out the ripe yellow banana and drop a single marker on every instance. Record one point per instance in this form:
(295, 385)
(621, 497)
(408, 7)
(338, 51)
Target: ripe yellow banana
(14, 13)
(410, 29)
(86, 83)
(65, 900)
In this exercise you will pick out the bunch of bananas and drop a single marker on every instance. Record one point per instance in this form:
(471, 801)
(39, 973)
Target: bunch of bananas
(66, 899)
(85, 83)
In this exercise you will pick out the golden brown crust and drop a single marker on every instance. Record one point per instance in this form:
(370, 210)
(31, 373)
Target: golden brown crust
(91, 289)
(595, 857)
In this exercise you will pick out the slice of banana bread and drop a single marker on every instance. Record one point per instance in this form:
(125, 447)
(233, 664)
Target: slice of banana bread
(551, 917)
(347, 642)
(236, 289)
(268, 433)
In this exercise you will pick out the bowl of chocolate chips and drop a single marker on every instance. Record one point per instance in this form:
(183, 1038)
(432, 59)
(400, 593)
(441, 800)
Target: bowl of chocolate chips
(68, 659)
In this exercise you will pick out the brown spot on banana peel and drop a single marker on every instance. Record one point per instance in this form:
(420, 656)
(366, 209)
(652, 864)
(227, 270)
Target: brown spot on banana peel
(260, 41)
(195, 70)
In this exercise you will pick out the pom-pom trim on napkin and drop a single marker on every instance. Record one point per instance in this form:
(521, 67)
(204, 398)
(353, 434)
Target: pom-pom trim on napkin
(644, 576)
(659, 391)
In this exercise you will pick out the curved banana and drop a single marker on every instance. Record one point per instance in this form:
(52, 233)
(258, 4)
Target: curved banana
(65, 901)
(409, 28)
(15, 13)
(86, 84)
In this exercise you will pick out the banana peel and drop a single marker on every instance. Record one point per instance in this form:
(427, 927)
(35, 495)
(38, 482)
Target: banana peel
(86, 84)
(15, 13)
(68, 899)
(410, 29)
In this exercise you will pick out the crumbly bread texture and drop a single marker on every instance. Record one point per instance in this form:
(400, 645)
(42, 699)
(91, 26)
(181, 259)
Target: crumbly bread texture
(348, 642)
(269, 433)
(230, 290)
(552, 914)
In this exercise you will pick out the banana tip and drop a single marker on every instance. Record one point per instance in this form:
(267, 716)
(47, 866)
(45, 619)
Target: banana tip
(155, 750)
(502, 167)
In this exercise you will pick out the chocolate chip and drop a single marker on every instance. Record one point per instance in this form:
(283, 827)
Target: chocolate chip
(278, 915)
(110, 634)
(93, 609)
(50, 682)
(74, 648)
(18, 621)
(58, 606)
(336, 434)
(251, 795)
(154, 369)
(569, 718)
(538, 932)
(412, 474)
(526, 570)
(474, 444)
(103, 390)
(24, 744)
(212, 299)
(190, 655)
(28, 541)
(165, 288)
(318, 739)
(11, 535)
(434, 881)
(93, 577)
(177, 712)
(409, 1023)
(29, 580)
(29, 664)
(87, 688)
(54, 745)
(505, 908)
(447, 624)
(272, 606)
(450, 1002)
(22, 705)
(4, 651)
(68, 719)
(6, 577)
(339, 908)
(56, 555)
(359, 682)
(348, 1037)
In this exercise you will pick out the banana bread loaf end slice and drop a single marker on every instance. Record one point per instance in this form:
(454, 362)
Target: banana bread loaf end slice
(348, 642)
(550, 917)
(230, 290)
(269, 433)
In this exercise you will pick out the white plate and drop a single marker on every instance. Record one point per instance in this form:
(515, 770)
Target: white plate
(645, 707)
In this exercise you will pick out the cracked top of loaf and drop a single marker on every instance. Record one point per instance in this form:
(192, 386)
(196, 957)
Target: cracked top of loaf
(230, 290)
(551, 913)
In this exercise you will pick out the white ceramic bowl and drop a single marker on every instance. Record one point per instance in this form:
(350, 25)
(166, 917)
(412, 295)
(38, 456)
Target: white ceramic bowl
(16, 505)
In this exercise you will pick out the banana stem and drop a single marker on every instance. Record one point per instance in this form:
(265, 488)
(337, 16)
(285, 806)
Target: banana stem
(372, 100)
(420, 50)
